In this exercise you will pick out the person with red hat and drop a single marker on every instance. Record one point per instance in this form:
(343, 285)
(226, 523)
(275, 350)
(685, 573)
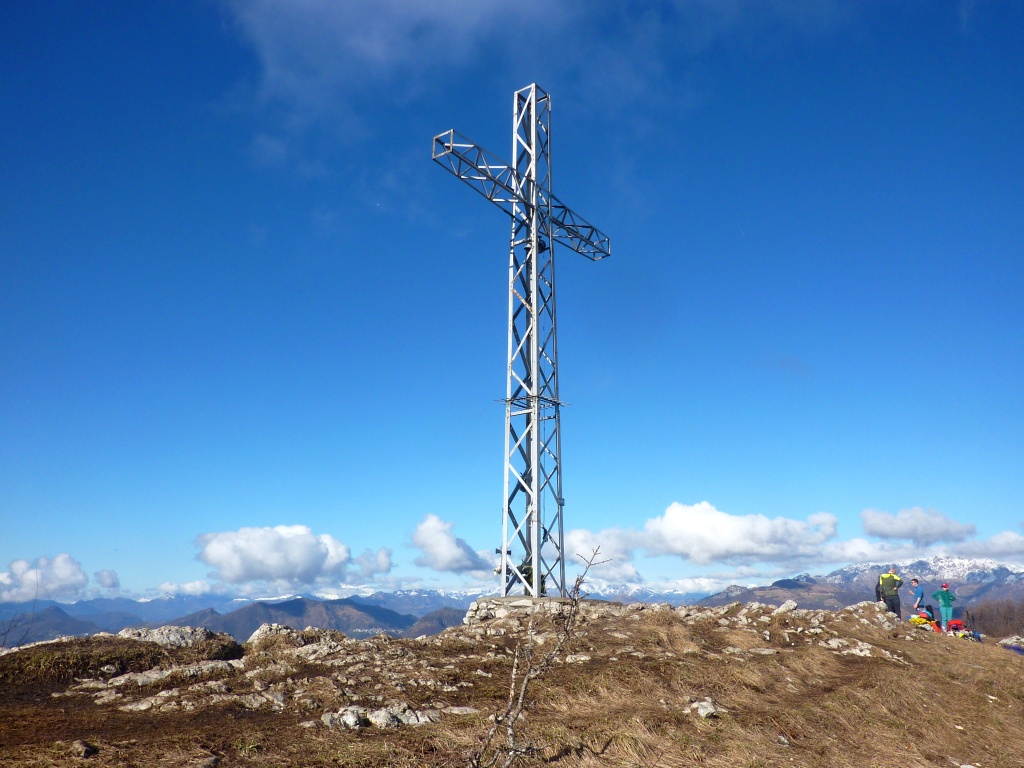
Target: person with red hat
(945, 598)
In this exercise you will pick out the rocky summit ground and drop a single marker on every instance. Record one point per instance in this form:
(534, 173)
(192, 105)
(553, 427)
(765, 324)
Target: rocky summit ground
(746, 686)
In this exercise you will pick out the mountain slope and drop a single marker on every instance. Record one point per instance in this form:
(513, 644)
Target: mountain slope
(418, 602)
(47, 624)
(972, 580)
(435, 622)
(807, 591)
(342, 615)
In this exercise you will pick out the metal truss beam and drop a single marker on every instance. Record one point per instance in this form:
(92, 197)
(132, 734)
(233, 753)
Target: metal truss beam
(532, 551)
(496, 181)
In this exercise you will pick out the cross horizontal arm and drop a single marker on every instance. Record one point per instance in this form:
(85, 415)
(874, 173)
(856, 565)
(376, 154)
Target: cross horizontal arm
(499, 183)
(572, 230)
(477, 167)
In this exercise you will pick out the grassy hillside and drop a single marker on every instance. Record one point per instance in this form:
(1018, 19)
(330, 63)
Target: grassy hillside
(735, 686)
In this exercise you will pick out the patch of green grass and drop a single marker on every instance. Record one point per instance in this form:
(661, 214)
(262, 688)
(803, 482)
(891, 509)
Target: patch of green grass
(88, 656)
(81, 657)
(248, 746)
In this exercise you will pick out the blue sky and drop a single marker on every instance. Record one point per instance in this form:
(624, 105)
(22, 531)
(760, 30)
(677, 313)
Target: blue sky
(252, 339)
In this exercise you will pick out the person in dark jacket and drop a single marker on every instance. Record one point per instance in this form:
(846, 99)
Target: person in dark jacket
(889, 585)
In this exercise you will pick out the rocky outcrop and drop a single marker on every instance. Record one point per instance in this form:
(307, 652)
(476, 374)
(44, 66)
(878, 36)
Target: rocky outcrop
(719, 675)
(169, 637)
(488, 609)
(392, 716)
(361, 682)
(269, 630)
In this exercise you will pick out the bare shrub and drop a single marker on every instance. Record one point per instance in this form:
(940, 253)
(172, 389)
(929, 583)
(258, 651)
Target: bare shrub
(16, 630)
(999, 618)
(505, 743)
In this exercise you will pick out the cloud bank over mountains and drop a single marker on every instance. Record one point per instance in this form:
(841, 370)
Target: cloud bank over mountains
(287, 555)
(1007, 544)
(753, 546)
(61, 576)
(703, 534)
(750, 548)
(921, 526)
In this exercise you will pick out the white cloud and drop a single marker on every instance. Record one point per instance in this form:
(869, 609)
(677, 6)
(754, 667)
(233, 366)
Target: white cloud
(45, 579)
(290, 554)
(190, 588)
(318, 59)
(860, 550)
(1005, 544)
(921, 526)
(316, 55)
(614, 561)
(107, 579)
(703, 534)
(758, 549)
(698, 584)
(373, 563)
(442, 551)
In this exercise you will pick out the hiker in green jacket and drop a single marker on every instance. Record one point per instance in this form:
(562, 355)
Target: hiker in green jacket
(889, 584)
(945, 598)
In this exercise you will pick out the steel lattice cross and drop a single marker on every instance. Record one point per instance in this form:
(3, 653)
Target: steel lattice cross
(532, 551)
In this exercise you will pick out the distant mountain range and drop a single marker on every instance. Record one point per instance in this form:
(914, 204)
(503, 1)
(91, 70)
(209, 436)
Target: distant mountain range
(418, 602)
(808, 591)
(635, 593)
(344, 615)
(112, 614)
(972, 580)
(411, 613)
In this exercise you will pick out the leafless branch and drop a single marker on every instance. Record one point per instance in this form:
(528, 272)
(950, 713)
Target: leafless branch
(17, 629)
(529, 666)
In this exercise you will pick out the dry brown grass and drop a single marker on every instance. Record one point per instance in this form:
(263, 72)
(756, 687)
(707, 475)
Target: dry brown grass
(804, 706)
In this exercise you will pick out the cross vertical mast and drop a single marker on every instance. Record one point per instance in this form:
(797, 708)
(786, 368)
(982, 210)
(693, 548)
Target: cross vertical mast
(533, 473)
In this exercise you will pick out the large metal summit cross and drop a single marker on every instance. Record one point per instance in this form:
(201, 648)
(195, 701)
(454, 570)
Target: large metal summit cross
(532, 551)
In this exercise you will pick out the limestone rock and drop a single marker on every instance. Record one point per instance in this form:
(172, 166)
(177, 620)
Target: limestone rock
(787, 607)
(349, 717)
(425, 716)
(269, 630)
(707, 708)
(168, 637)
(577, 658)
(383, 718)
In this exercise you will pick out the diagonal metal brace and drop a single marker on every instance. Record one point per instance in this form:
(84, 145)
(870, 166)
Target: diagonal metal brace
(499, 183)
